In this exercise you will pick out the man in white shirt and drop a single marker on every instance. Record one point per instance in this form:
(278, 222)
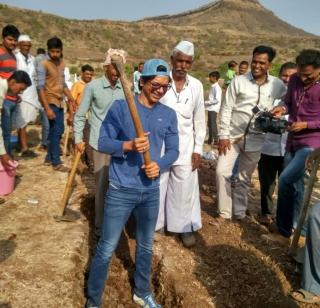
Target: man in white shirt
(26, 110)
(245, 97)
(213, 105)
(179, 189)
(271, 162)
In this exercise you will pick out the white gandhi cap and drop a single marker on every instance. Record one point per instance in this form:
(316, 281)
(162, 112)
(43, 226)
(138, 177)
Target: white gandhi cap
(24, 38)
(186, 48)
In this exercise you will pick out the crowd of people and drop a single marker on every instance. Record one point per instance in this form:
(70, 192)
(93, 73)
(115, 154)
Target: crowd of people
(163, 195)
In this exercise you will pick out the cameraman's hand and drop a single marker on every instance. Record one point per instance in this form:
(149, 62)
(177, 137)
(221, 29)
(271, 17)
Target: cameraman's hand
(278, 111)
(223, 146)
(297, 127)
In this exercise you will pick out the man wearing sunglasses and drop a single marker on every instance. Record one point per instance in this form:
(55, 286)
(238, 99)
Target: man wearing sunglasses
(134, 186)
(179, 188)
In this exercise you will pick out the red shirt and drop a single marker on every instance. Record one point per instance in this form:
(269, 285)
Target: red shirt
(8, 64)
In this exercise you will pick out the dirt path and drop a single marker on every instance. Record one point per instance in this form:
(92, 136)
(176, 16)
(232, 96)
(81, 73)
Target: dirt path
(44, 263)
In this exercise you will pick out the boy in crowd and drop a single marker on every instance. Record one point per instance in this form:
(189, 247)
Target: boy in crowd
(52, 88)
(231, 72)
(243, 67)
(213, 106)
(136, 78)
(15, 85)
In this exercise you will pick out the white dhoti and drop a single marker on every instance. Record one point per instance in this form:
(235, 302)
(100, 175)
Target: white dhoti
(179, 200)
(24, 114)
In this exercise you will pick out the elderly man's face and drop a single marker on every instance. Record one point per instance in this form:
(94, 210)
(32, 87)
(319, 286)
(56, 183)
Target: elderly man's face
(25, 47)
(308, 74)
(181, 64)
(112, 74)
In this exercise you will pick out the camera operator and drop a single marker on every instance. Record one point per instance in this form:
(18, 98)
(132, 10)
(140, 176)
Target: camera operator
(246, 96)
(271, 162)
(302, 103)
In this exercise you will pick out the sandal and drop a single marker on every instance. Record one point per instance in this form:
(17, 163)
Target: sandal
(28, 154)
(265, 220)
(304, 296)
(61, 168)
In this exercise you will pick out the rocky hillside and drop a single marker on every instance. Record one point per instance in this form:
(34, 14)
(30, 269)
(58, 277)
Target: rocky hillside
(222, 30)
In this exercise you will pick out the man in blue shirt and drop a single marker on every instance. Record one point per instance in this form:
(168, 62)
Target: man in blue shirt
(134, 186)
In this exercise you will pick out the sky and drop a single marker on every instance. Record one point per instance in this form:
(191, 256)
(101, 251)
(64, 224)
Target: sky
(300, 13)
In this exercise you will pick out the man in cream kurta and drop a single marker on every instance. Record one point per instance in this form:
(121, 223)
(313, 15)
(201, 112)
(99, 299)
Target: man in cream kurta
(26, 111)
(179, 189)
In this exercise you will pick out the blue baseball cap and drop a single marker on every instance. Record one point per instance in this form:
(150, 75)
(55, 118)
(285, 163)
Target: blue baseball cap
(155, 67)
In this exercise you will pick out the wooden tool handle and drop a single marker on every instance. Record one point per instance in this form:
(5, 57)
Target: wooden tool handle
(69, 183)
(66, 139)
(305, 207)
(117, 61)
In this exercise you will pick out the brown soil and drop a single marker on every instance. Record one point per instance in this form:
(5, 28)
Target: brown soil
(44, 263)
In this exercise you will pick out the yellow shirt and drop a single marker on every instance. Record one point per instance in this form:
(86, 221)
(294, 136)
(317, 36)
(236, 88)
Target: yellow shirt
(77, 91)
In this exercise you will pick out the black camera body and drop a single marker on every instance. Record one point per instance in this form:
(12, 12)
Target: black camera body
(269, 124)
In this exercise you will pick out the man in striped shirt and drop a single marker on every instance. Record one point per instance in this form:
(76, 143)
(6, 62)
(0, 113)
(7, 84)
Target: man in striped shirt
(8, 65)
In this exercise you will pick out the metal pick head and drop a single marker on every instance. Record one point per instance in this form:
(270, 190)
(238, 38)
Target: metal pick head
(115, 59)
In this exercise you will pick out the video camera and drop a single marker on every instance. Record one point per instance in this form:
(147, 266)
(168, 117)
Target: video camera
(266, 122)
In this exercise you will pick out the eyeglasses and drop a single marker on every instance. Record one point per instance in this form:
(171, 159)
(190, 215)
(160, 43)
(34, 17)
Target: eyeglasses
(156, 86)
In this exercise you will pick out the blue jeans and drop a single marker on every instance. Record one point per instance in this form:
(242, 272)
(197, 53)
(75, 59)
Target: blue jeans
(120, 203)
(291, 190)
(6, 122)
(311, 265)
(235, 170)
(45, 128)
(55, 133)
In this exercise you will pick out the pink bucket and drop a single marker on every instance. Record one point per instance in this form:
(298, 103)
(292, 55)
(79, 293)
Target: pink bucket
(7, 178)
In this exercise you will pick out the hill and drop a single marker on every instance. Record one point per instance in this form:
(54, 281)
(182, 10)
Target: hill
(221, 30)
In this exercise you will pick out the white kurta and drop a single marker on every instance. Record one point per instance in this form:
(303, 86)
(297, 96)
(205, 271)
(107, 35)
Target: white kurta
(26, 111)
(179, 189)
